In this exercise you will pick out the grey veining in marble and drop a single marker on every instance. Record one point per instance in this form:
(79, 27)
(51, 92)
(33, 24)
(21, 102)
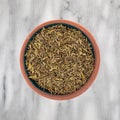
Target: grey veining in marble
(101, 101)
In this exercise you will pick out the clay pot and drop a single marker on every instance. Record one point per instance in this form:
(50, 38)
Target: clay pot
(90, 80)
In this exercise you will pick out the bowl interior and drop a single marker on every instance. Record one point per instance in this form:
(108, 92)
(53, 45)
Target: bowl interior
(31, 38)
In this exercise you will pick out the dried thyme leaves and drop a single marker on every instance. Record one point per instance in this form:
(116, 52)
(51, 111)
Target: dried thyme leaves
(59, 59)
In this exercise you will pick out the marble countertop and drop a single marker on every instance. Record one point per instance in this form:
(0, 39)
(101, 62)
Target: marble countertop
(101, 101)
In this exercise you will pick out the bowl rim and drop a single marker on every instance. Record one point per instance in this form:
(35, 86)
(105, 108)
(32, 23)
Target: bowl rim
(89, 81)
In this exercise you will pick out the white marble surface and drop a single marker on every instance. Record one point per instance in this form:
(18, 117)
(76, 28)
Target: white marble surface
(101, 101)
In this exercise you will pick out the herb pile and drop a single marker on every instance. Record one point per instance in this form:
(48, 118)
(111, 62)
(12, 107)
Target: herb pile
(59, 59)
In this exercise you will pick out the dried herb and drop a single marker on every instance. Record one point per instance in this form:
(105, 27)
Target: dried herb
(59, 59)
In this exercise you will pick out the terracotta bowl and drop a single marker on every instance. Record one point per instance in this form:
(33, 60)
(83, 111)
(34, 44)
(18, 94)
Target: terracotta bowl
(39, 90)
